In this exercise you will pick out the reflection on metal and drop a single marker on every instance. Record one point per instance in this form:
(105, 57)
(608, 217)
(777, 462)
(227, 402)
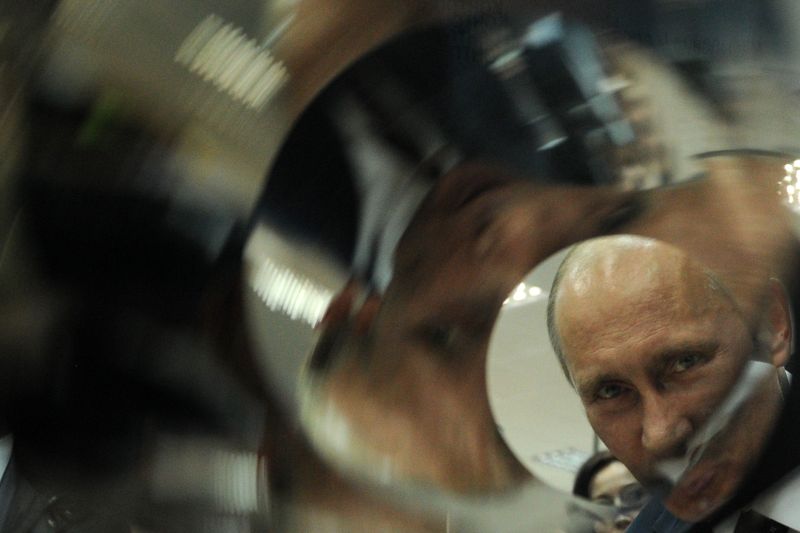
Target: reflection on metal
(269, 258)
(334, 437)
(508, 63)
(232, 482)
(223, 55)
(290, 293)
(789, 186)
(215, 147)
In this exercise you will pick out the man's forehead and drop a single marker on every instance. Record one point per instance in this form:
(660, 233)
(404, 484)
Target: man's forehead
(630, 279)
(622, 263)
(611, 351)
(607, 315)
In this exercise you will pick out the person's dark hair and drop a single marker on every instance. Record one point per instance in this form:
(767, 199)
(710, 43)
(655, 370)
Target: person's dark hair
(587, 471)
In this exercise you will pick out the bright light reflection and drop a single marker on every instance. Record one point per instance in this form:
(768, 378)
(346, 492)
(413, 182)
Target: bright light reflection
(287, 292)
(789, 185)
(223, 55)
(226, 479)
(524, 293)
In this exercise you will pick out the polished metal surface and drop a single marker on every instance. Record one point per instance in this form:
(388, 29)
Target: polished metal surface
(283, 265)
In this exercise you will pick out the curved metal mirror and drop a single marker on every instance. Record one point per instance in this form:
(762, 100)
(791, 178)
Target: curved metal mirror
(361, 341)
(468, 165)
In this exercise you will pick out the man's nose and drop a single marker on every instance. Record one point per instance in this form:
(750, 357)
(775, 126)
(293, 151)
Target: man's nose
(665, 429)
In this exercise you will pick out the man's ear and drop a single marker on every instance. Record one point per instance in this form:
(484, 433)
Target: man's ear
(780, 324)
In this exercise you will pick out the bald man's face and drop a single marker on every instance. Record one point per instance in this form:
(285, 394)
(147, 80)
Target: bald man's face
(653, 349)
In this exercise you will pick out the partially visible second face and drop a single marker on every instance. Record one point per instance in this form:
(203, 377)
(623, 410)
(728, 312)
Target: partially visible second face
(615, 485)
(653, 350)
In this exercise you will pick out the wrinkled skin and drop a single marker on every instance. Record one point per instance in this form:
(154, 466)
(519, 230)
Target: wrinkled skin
(653, 350)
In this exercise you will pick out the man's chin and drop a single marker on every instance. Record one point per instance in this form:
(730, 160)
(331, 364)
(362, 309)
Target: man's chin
(691, 511)
(700, 492)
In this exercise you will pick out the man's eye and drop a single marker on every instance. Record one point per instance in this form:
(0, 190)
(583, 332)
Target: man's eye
(684, 363)
(442, 337)
(604, 500)
(609, 391)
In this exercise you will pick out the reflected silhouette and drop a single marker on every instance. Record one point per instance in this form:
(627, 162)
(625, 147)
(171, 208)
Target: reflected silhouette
(406, 380)
(395, 391)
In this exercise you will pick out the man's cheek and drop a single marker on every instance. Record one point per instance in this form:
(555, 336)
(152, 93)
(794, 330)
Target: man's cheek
(621, 437)
(603, 428)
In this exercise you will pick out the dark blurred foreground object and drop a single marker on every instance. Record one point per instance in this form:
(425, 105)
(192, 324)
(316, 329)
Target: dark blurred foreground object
(115, 332)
